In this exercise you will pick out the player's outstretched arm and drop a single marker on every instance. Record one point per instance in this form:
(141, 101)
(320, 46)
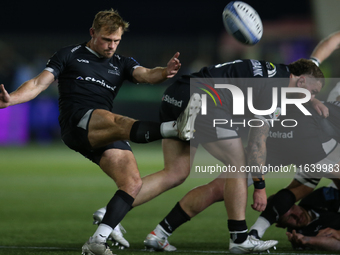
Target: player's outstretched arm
(27, 91)
(326, 47)
(157, 74)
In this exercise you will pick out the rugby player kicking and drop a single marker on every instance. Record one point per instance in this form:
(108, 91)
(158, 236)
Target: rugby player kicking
(89, 77)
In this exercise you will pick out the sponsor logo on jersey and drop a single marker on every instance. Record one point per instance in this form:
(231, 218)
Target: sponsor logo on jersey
(257, 67)
(282, 135)
(100, 82)
(271, 68)
(172, 100)
(83, 61)
(115, 70)
(75, 48)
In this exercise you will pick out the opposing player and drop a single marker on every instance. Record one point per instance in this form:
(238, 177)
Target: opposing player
(226, 146)
(90, 75)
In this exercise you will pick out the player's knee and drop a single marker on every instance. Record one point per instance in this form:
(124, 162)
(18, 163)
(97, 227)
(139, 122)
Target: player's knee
(132, 185)
(217, 190)
(176, 177)
(180, 179)
(218, 195)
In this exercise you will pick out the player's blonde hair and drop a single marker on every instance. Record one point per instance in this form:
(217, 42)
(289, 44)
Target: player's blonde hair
(110, 20)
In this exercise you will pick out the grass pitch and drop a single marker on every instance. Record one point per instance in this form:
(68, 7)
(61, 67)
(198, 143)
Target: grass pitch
(48, 195)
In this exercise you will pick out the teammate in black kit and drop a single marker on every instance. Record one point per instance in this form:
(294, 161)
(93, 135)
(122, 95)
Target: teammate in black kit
(302, 74)
(315, 221)
(90, 75)
(313, 140)
(226, 145)
(322, 137)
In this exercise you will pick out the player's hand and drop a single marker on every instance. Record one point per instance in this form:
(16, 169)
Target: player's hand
(259, 199)
(4, 97)
(320, 108)
(173, 66)
(329, 232)
(297, 239)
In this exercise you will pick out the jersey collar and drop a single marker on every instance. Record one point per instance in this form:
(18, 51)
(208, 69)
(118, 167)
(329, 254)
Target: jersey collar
(93, 52)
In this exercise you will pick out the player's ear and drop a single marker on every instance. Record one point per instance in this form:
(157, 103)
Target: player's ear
(91, 31)
(301, 82)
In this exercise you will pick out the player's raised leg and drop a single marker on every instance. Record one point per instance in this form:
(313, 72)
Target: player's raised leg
(106, 127)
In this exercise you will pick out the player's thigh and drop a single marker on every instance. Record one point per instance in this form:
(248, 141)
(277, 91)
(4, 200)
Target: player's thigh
(105, 127)
(228, 151)
(231, 153)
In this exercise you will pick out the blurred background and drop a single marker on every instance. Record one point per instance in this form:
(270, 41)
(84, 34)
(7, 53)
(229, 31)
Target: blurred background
(31, 31)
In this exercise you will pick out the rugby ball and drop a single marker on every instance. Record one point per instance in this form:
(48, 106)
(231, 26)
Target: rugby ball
(242, 22)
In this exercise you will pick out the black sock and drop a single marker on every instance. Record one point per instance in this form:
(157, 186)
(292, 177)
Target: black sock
(238, 230)
(145, 132)
(278, 205)
(117, 208)
(174, 219)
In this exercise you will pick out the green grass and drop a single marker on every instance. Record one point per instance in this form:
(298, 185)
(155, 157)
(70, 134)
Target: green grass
(48, 195)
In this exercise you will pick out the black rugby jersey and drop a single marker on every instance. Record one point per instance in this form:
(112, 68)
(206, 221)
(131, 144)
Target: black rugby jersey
(324, 205)
(245, 74)
(244, 68)
(86, 80)
(311, 137)
(305, 143)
